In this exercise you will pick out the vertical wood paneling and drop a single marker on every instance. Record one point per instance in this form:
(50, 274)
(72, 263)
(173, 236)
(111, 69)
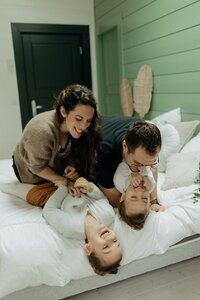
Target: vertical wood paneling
(166, 35)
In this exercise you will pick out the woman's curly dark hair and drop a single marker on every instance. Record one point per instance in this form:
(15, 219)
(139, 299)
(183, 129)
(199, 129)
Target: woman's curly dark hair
(83, 149)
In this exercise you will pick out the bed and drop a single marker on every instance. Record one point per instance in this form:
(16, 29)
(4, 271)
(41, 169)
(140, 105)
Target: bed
(37, 263)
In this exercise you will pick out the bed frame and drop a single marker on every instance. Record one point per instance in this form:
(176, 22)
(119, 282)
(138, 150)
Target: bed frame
(183, 250)
(186, 249)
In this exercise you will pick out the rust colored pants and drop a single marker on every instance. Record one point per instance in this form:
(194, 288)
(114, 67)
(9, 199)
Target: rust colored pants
(39, 194)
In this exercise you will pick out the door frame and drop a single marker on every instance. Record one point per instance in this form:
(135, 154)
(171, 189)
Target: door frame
(18, 30)
(113, 23)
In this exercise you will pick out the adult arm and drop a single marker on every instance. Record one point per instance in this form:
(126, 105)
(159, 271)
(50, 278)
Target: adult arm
(121, 179)
(113, 195)
(153, 195)
(50, 175)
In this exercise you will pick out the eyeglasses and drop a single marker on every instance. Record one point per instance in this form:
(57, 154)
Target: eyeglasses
(138, 165)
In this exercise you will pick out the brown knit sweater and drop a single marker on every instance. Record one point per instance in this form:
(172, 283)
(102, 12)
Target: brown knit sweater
(38, 147)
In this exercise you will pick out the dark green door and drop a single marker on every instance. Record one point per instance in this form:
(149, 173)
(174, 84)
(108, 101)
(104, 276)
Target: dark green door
(50, 60)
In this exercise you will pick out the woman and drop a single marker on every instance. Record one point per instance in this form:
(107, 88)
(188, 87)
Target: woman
(68, 135)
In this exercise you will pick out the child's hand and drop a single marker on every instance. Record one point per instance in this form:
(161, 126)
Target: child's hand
(83, 185)
(60, 182)
(136, 179)
(74, 191)
(70, 173)
(157, 207)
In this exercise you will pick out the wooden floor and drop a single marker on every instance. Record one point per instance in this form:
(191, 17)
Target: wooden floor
(180, 281)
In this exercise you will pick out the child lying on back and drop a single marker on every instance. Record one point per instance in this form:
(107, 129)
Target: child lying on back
(88, 218)
(135, 201)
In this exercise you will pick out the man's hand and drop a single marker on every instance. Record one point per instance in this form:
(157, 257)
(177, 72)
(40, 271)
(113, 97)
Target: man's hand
(157, 207)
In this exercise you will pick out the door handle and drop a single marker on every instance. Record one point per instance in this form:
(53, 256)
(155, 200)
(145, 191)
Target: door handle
(35, 107)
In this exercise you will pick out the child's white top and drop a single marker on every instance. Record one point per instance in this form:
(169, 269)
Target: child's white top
(122, 177)
(67, 214)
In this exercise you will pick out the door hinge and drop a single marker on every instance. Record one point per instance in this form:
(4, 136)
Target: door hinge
(80, 50)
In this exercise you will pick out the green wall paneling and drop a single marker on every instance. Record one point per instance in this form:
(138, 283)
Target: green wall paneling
(107, 6)
(172, 64)
(164, 34)
(189, 103)
(161, 27)
(176, 83)
(130, 6)
(173, 43)
(156, 11)
(98, 2)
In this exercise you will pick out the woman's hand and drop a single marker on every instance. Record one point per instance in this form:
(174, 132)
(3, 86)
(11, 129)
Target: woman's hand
(74, 191)
(59, 182)
(83, 185)
(70, 173)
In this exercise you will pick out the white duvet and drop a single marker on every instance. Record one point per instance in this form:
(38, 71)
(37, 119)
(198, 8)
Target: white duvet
(32, 253)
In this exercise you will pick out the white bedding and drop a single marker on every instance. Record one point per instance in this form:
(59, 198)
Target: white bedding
(32, 253)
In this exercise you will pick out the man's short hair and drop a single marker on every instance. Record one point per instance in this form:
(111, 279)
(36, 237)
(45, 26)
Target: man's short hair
(145, 134)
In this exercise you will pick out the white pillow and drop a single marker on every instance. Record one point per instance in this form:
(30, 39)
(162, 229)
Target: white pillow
(168, 117)
(170, 142)
(181, 170)
(186, 131)
(192, 145)
(16, 188)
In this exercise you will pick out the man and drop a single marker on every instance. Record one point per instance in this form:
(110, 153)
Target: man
(138, 143)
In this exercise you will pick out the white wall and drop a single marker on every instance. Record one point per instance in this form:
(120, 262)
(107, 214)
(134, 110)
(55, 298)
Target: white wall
(79, 12)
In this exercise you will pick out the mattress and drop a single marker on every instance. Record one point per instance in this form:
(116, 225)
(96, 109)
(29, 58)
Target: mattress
(33, 254)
